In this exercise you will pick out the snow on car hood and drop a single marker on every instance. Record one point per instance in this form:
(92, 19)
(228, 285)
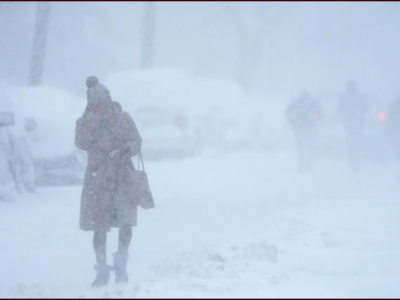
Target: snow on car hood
(167, 132)
(173, 89)
(55, 112)
(159, 88)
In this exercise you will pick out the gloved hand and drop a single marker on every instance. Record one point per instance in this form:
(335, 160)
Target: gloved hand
(114, 153)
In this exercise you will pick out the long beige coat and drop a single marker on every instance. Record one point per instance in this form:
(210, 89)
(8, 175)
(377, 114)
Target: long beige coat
(108, 194)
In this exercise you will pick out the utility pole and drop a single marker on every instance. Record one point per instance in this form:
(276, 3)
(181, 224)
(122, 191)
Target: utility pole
(39, 43)
(148, 37)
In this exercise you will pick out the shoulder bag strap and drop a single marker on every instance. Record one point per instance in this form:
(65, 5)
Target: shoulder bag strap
(140, 160)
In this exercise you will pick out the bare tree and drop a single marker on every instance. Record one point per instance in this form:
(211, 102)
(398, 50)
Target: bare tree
(39, 43)
(252, 31)
(148, 38)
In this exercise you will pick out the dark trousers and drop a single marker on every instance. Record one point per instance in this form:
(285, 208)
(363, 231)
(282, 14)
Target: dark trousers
(354, 145)
(306, 142)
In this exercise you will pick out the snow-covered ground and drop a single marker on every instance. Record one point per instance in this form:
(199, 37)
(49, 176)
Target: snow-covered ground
(238, 225)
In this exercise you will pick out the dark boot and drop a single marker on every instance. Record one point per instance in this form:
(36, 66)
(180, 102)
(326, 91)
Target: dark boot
(120, 262)
(103, 275)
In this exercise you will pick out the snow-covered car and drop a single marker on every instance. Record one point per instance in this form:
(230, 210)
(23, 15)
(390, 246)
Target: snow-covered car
(231, 120)
(56, 159)
(16, 163)
(24, 169)
(189, 114)
(8, 178)
(164, 133)
(157, 101)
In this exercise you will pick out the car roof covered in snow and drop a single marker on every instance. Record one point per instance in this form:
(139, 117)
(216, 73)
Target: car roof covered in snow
(55, 112)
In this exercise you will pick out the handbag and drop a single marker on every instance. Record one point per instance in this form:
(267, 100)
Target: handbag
(144, 196)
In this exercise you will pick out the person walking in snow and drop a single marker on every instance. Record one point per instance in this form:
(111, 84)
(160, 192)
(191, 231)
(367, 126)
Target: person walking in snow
(393, 125)
(110, 137)
(352, 111)
(303, 115)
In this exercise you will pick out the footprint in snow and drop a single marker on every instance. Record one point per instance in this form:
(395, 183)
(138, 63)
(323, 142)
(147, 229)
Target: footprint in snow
(216, 258)
(118, 293)
(22, 288)
(330, 243)
(233, 248)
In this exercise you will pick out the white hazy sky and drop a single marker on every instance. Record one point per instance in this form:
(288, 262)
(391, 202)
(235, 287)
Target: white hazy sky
(309, 45)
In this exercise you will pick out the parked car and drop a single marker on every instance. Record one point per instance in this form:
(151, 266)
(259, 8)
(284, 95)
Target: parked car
(165, 133)
(157, 101)
(55, 158)
(24, 169)
(16, 163)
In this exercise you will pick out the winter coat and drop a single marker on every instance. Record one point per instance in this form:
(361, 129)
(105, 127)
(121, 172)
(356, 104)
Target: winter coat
(108, 194)
(353, 110)
(393, 118)
(303, 114)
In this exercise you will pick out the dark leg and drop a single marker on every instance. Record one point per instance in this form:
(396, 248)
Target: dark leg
(124, 239)
(353, 153)
(312, 152)
(103, 271)
(121, 257)
(100, 247)
(300, 152)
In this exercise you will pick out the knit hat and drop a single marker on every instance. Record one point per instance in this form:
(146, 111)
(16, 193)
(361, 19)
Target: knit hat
(97, 93)
(91, 81)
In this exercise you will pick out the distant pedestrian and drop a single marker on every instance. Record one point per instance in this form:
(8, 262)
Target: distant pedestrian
(303, 115)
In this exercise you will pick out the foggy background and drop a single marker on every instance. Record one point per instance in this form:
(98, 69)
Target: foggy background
(278, 48)
(232, 216)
